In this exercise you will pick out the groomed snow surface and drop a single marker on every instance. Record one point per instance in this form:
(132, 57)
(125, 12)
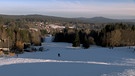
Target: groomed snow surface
(95, 61)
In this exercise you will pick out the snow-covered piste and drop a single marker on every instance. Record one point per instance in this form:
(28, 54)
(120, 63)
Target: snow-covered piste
(95, 61)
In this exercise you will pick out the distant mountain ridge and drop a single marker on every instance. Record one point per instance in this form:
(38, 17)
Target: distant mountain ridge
(82, 19)
(105, 20)
(99, 20)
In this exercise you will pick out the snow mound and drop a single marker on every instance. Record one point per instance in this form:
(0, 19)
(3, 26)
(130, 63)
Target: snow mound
(129, 72)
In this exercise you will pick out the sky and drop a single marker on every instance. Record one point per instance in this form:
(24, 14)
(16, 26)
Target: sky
(118, 9)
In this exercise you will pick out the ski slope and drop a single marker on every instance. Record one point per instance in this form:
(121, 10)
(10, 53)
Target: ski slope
(95, 61)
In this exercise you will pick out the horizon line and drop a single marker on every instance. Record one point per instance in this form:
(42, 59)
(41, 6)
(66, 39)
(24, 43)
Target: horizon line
(65, 16)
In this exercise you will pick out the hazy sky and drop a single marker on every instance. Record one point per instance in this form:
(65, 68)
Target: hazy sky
(70, 8)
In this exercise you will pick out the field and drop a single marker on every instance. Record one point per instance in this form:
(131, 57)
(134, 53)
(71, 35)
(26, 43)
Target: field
(95, 61)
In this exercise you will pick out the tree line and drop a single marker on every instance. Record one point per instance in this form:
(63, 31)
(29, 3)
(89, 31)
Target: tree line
(118, 34)
(14, 33)
(76, 37)
(112, 35)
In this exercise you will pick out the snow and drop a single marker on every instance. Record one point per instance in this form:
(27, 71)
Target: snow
(95, 61)
(129, 72)
(56, 26)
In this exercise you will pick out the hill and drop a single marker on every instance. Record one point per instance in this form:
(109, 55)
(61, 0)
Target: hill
(62, 19)
(106, 20)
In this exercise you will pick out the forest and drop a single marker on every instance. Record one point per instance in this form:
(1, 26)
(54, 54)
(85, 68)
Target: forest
(111, 35)
(17, 30)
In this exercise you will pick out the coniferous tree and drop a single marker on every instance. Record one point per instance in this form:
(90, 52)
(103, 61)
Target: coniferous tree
(76, 42)
(86, 44)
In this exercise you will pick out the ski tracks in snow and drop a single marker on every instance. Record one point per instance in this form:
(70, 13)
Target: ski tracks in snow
(9, 61)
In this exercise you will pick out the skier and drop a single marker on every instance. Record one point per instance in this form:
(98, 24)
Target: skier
(58, 54)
